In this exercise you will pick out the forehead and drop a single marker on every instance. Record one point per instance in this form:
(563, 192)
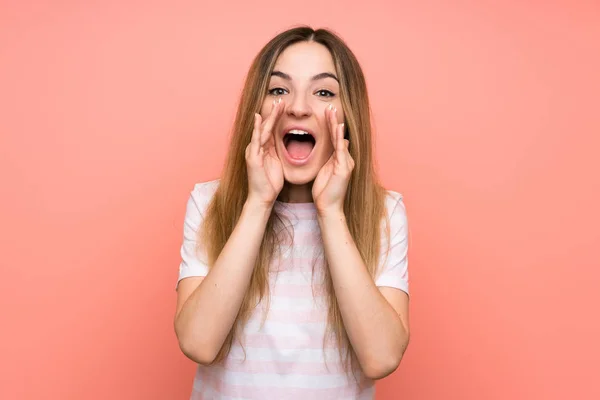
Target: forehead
(304, 60)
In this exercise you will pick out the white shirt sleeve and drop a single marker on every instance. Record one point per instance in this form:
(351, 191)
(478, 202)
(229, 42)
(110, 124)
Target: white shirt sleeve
(193, 260)
(393, 268)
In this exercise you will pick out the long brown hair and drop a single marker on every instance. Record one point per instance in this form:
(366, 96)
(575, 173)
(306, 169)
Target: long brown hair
(364, 203)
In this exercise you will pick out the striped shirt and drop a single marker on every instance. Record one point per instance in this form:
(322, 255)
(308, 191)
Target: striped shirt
(285, 357)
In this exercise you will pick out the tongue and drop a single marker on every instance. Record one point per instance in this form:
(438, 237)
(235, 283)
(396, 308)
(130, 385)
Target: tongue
(299, 150)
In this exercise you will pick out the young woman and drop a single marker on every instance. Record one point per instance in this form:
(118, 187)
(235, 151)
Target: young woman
(293, 282)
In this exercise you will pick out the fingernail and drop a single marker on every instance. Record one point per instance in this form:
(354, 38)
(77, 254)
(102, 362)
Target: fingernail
(279, 101)
(330, 107)
(334, 110)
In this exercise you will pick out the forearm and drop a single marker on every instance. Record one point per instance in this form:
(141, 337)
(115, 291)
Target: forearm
(374, 329)
(209, 313)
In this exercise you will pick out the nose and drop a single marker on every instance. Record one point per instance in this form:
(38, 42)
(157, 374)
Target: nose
(298, 107)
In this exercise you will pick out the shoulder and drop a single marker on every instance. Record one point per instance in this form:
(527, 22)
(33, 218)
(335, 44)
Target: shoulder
(396, 215)
(394, 203)
(201, 195)
(205, 189)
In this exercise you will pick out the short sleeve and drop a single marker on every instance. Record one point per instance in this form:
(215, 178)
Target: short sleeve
(393, 268)
(194, 261)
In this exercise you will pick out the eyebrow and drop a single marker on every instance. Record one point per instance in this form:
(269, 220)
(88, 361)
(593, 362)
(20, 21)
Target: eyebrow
(317, 77)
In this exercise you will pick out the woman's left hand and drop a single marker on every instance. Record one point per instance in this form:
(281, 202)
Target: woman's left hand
(329, 187)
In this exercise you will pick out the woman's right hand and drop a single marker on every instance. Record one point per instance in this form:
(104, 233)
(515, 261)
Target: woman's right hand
(265, 172)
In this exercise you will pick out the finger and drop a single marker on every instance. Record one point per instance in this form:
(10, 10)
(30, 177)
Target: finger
(340, 146)
(267, 129)
(349, 160)
(327, 117)
(255, 141)
(332, 124)
(350, 164)
(273, 153)
(348, 157)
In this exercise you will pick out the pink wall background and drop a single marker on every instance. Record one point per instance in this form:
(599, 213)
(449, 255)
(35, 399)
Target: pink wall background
(487, 121)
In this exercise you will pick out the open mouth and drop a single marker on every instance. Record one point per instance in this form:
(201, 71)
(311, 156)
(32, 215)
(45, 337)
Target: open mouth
(299, 144)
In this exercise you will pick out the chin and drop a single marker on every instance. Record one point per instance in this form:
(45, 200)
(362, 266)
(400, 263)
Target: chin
(298, 176)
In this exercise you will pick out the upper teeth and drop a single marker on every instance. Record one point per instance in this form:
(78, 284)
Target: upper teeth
(298, 132)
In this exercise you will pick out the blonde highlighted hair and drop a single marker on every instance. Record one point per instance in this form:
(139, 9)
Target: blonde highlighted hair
(364, 204)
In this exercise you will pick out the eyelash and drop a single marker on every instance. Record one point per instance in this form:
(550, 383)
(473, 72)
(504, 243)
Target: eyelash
(273, 91)
(329, 93)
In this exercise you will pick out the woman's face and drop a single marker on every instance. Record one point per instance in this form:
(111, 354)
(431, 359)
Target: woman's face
(305, 79)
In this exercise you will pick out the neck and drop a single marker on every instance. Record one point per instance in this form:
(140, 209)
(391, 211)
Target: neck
(296, 193)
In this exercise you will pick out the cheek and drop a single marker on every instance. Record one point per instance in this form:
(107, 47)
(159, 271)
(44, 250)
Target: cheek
(340, 111)
(341, 116)
(264, 110)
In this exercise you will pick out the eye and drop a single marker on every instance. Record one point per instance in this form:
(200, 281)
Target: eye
(325, 93)
(277, 91)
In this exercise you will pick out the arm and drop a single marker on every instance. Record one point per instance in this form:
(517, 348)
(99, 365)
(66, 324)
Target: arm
(376, 320)
(207, 307)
